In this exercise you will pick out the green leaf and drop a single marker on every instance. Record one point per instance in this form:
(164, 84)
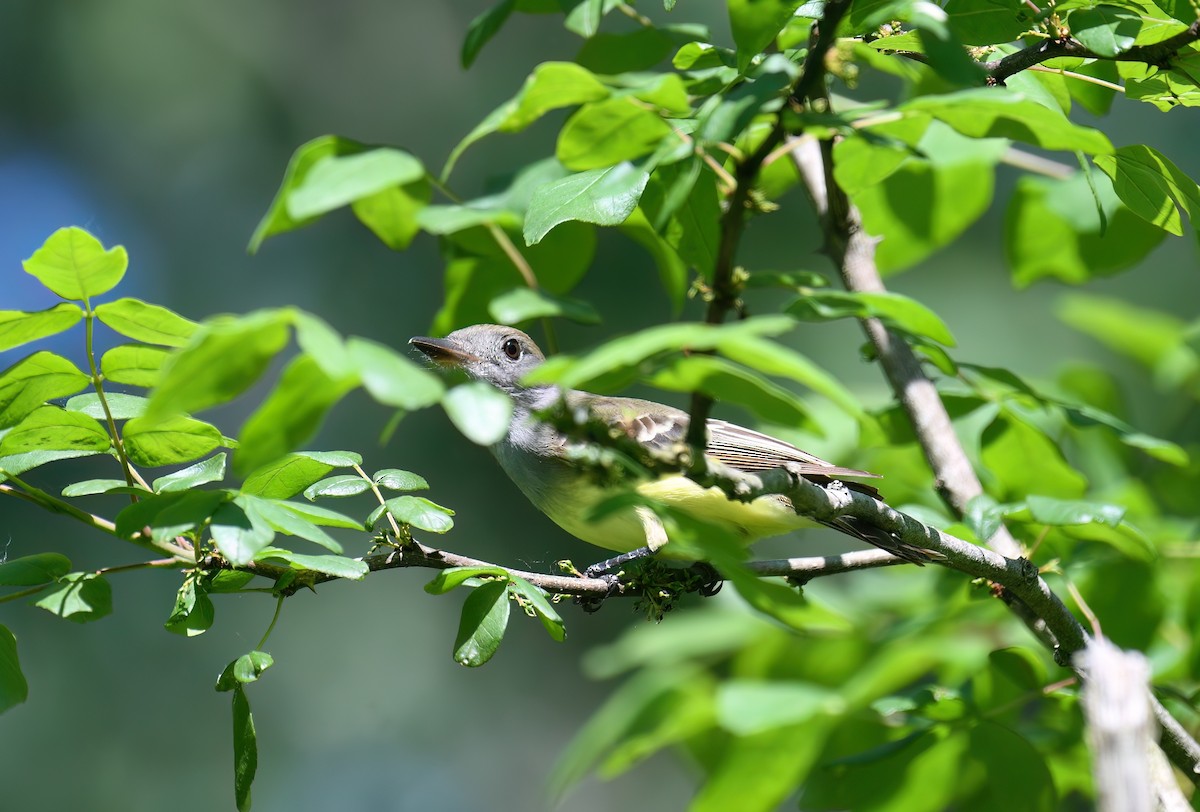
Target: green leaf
(605, 197)
(289, 475)
(228, 581)
(277, 220)
(1153, 187)
(1024, 460)
(245, 749)
(536, 599)
(49, 428)
(290, 415)
(152, 324)
(629, 351)
(1150, 337)
(133, 364)
(1107, 30)
(210, 470)
(746, 707)
(756, 23)
(17, 464)
(452, 577)
(239, 534)
(1054, 231)
(986, 22)
(283, 520)
(13, 688)
(121, 406)
(604, 133)
(396, 480)
(1046, 510)
(169, 441)
(18, 327)
(672, 271)
(421, 513)
(336, 486)
(996, 113)
(392, 213)
(80, 597)
(322, 516)
(480, 411)
(193, 612)
(224, 358)
(483, 28)
(771, 358)
(894, 309)
(336, 566)
(1012, 767)
(481, 627)
(169, 514)
(523, 304)
(316, 338)
(334, 181)
(551, 86)
(244, 670)
(637, 50)
(75, 265)
(392, 379)
(90, 487)
(31, 570)
(29, 383)
(730, 383)
(925, 203)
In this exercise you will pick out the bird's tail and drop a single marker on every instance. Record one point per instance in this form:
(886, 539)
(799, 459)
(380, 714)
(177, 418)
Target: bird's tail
(884, 540)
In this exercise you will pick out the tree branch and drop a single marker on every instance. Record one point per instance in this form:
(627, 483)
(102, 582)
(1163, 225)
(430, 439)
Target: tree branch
(853, 250)
(733, 219)
(1158, 54)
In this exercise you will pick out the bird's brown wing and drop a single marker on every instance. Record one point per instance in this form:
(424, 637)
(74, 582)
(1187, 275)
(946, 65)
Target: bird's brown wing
(661, 427)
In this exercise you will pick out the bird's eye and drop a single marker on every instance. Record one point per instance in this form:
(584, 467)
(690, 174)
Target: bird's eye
(512, 348)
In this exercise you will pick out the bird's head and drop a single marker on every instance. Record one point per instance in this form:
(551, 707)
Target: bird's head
(490, 352)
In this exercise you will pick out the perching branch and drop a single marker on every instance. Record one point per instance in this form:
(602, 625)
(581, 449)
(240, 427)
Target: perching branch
(1158, 54)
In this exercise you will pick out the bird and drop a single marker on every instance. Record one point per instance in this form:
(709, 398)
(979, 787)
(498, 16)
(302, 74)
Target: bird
(536, 456)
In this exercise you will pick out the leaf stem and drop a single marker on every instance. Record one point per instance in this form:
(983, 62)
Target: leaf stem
(274, 620)
(131, 476)
(379, 495)
(24, 593)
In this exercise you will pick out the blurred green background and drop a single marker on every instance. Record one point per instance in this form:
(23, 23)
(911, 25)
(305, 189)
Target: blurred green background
(166, 127)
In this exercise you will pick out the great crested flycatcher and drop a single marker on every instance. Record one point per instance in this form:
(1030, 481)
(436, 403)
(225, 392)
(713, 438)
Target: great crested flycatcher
(535, 456)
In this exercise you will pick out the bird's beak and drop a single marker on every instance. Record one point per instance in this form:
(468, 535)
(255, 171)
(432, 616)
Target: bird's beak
(442, 351)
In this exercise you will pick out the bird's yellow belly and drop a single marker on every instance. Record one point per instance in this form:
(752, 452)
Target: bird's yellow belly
(623, 530)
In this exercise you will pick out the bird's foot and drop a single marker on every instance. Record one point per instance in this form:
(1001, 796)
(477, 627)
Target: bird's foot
(592, 603)
(711, 582)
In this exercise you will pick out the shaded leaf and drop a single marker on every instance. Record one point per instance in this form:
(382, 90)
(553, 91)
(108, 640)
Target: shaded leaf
(895, 309)
(482, 624)
(80, 597)
(239, 534)
(483, 28)
(210, 470)
(280, 518)
(604, 133)
(541, 605)
(13, 688)
(421, 513)
(337, 566)
(49, 428)
(340, 485)
(604, 197)
(452, 577)
(523, 304)
(245, 749)
(293, 473)
(396, 480)
(31, 570)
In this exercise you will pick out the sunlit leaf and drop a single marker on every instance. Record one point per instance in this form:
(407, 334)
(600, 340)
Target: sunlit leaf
(75, 265)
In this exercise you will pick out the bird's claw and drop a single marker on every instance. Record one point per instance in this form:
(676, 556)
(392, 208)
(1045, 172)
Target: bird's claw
(712, 582)
(592, 603)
